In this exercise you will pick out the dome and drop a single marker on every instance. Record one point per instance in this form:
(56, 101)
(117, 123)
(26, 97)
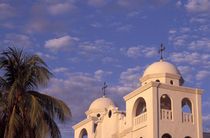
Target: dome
(101, 103)
(161, 67)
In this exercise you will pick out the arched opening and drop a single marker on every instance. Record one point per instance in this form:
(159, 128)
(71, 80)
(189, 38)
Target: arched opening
(187, 137)
(165, 102)
(186, 105)
(141, 106)
(165, 107)
(166, 136)
(187, 115)
(157, 80)
(83, 133)
(139, 111)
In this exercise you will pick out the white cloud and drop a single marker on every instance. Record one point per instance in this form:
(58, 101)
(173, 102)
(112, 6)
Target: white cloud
(57, 43)
(61, 8)
(17, 40)
(97, 48)
(203, 43)
(185, 29)
(130, 78)
(6, 11)
(108, 59)
(76, 89)
(100, 74)
(129, 3)
(202, 74)
(178, 40)
(61, 69)
(138, 51)
(97, 3)
(96, 25)
(186, 72)
(44, 55)
(179, 3)
(186, 57)
(198, 5)
(198, 19)
(206, 118)
(133, 14)
(125, 27)
(172, 31)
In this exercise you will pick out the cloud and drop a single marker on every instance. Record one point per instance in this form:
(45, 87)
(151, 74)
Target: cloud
(62, 42)
(202, 74)
(17, 40)
(61, 8)
(203, 43)
(97, 3)
(198, 19)
(130, 77)
(78, 90)
(186, 72)
(127, 27)
(186, 57)
(133, 14)
(130, 3)
(6, 11)
(198, 5)
(44, 55)
(138, 51)
(91, 50)
(61, 69)
(206, 118)
(100, 74)
(96, 25)
(177, 38)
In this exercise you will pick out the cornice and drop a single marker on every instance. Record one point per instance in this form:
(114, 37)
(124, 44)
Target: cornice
(163, 86)
(83, 122)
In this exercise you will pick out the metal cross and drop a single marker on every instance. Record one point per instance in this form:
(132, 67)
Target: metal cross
(160, 51)
(104, 88)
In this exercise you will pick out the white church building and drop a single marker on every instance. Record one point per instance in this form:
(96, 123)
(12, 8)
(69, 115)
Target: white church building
(160, 108)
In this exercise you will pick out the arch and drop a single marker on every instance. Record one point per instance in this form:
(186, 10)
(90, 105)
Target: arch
(139, 106)
(165, 102)
(83, 133)
(186, 105)
(166, 135)
(187, 137)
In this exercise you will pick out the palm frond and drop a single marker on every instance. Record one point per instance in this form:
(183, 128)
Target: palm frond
(14, 124)
(53, 106)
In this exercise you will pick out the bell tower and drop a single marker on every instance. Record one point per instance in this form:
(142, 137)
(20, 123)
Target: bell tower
(162, 107)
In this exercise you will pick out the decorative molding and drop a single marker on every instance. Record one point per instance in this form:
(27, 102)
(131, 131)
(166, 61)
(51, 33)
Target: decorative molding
(84, 122)
(163, 86)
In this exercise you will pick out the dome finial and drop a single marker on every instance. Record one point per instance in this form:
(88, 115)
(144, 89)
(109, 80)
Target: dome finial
(104, 89)
(160, 51)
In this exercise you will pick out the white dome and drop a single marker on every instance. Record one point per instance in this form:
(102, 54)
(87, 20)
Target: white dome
(161, 67)
(101, 103)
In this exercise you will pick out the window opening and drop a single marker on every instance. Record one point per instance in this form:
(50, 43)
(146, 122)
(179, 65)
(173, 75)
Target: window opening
(165, 102)
(141, 107)
(171, 82)
(110, 114)
(166, 136)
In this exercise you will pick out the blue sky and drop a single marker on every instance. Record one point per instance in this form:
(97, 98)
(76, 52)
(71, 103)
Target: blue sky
(87, 42)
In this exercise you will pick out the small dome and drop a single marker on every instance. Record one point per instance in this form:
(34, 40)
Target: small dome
(161, 67)
(101, 103)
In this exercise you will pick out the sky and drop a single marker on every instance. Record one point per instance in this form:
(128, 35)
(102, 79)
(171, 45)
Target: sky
(87, 42)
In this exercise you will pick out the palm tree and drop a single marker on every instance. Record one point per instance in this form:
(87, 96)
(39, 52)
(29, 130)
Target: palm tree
(24, 112)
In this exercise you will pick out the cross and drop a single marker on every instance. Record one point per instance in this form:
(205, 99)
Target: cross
(104, 88)
(160, 51)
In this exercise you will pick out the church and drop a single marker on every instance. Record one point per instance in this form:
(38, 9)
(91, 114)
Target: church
(160, 108)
